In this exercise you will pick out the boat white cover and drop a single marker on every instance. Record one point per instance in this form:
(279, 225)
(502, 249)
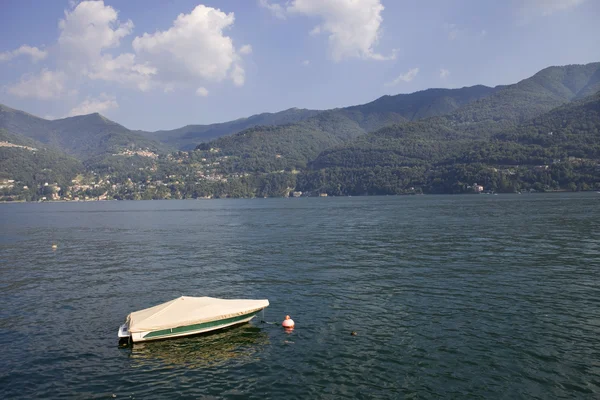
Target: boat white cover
(187, 310)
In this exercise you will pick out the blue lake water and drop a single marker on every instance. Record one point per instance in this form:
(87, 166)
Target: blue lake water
(451, 296)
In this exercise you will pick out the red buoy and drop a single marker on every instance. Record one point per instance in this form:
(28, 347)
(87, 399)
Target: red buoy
(288, 323)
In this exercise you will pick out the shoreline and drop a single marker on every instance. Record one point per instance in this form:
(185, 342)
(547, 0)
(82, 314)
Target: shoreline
(291, 197)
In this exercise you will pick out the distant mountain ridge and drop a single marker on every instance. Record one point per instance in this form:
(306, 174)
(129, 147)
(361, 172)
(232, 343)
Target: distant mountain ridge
(542, 133)
(512, 108)
(425, 103)
(299, 143)
(83, 136)
(188, 137)
(559, 148)
(403, 126)
(478, 112)
(522, 101)
(369, 117)
(93, 135)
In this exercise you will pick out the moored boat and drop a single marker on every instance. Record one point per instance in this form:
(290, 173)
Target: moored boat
(186, 316)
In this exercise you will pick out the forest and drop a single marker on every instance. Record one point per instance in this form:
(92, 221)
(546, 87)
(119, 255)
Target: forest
(540, 134)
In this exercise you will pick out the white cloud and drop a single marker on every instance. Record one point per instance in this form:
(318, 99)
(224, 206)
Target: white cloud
(456, 32)
(46, 85)
(202, 91)
(547, 7)
(444, 73)
(315, 31)
(123, 69)
(33, 52)
(238, 75)
(306, 62)
(86, 33)
(89, 29)
(452, 31)
(193, 51)
(168, 88)
(406, 77)
(246, 49)
(194, 48)
(276, 9)
(353, 26)
(92, 105)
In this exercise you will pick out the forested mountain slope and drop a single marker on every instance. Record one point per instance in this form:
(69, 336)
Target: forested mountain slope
(541, 133)
(189, 136)
(82, 136)
(32, 163)
(558, 149)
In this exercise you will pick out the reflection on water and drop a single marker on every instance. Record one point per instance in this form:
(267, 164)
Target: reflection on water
(238, 345)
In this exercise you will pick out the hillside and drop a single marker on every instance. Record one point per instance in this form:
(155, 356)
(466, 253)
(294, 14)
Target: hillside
(522, 101)
(541, 133)
(421, 132)
(572, 130)
(418, 105)
(188, 137)
(367, 117)
(397, 145)
(433, 139)
(297, 144)
(82, 136)
(558, 149)
(33, 164)
(273, 148)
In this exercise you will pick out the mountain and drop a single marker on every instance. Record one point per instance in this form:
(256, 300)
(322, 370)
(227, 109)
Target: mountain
(188, 137)
(558, 149)
(84, 136)
(33, 163)
(572, 130)
(295, 145)
(368, 117)
(418, 105)
(431, 139)
(93, 136)
(522, 101)
(426, 124)
(397, 145)
(291, 146)
(541, 133)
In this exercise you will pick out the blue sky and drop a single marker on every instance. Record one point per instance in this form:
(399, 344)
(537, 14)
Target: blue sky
(162, 64)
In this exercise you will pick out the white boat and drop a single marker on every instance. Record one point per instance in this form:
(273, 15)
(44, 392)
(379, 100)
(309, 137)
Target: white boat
(186, 316)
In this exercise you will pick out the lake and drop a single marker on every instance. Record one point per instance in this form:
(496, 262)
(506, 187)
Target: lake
(474, 296)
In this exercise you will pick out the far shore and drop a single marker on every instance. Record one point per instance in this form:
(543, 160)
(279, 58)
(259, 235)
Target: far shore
(291, 197)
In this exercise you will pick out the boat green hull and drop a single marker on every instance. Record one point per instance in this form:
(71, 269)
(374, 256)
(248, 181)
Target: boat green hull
(192, 329)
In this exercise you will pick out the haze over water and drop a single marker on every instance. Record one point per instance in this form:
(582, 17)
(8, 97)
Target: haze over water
(451, 296)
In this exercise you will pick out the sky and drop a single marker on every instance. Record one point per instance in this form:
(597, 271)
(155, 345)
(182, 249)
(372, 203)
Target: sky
(163, 64)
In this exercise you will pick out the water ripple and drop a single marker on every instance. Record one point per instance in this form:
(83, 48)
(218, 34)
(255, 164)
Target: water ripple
(451, 296)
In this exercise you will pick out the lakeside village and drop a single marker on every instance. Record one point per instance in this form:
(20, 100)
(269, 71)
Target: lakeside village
(141, 175)
(85, 188)
(93, 187)
(198, 175)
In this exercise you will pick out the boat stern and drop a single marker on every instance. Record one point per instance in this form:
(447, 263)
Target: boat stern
(124, 332)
